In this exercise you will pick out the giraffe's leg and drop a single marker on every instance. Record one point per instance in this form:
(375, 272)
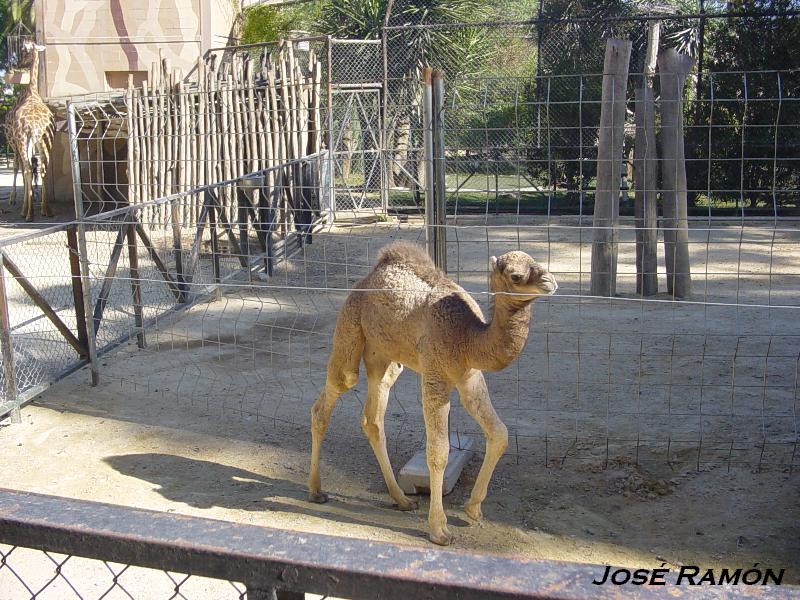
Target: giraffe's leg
(436, 408)
(27, 192)
(381, 375)
(46, 212)
(474, 398)
(348, 346)
(12, 198)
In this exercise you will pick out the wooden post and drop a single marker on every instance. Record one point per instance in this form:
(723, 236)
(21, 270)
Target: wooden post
(7, 349)
(673, 68)
(645, 173)
(136, 286)
(609, 159)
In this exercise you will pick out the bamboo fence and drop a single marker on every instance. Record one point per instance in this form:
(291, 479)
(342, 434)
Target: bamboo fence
(238, 117)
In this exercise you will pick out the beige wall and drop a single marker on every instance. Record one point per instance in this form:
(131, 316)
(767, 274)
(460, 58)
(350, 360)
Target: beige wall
(91, 46)
(86, 39)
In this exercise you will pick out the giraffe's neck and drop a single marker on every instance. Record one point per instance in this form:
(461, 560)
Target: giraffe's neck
(33, 86)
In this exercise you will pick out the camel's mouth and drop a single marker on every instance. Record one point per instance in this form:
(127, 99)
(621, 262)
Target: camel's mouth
(546, 286)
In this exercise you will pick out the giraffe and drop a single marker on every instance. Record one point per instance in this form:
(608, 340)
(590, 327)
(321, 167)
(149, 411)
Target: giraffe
(30, 129)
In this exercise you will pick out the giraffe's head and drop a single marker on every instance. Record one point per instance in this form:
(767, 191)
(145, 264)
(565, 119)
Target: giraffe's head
(29, 51)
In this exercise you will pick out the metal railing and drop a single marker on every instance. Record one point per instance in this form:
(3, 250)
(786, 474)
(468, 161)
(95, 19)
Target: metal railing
(60, 307)
(272, 562)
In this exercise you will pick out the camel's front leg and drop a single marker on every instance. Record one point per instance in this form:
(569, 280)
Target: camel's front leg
(436, 408)
(475, 399)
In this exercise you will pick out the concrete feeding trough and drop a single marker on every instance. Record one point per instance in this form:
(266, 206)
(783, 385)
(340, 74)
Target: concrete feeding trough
(415, 479)
(17, 77)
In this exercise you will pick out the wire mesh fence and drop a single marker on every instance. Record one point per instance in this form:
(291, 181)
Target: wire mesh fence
(66, 299)
(29, 573)
(714, 375)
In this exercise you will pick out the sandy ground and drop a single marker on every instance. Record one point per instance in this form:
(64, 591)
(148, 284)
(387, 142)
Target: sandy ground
(642, 432)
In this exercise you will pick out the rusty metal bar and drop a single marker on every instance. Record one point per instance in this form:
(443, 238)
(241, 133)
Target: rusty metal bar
(7, 349)
(177, 250)
(273, 559)
(111, 270)
(177, 289)
(223, 220)
(40, 301)
(136, 286)
(77, 288)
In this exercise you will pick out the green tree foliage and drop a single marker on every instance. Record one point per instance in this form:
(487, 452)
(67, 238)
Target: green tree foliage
(13, 13)
(755, 144)
(268, 23)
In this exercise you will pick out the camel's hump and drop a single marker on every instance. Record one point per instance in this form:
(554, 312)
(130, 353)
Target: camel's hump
(412, 256)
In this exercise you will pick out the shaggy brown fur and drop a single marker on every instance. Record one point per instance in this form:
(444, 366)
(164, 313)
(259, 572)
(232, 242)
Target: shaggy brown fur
(408, 313)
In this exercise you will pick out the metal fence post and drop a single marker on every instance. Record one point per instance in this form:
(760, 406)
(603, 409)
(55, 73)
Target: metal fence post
(331, 157)
(440, 196)
(433, 131)
(82, 251)
(383, 129)
(7, 349)
(427, 132)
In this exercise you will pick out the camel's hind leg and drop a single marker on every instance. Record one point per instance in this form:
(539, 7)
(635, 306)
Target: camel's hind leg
(381, 375)
(348, 346)
(474, 398)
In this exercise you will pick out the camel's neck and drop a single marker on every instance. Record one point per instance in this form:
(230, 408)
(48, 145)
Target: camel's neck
(501, 341)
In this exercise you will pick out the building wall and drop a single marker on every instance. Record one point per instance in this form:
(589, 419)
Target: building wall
(93, 45)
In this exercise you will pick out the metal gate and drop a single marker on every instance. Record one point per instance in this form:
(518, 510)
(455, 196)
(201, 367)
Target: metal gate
(359, 179)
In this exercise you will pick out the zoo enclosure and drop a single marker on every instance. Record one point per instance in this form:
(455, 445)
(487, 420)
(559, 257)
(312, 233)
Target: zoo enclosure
(714, 378)
(532, 140)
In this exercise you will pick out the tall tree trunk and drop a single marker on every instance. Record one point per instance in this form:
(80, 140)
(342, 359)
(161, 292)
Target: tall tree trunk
(609, 161)
(645, 173)
(673, 68)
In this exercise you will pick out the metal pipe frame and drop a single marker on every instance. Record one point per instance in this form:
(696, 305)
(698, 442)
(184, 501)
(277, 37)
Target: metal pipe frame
(268, 559)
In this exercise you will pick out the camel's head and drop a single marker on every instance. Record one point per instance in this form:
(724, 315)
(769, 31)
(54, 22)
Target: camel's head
(517, 273)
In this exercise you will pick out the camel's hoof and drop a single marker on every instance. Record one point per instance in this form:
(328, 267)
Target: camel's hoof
(407, 504)
(317, 497)
(29, 218)
(442, 539)
(474, 512)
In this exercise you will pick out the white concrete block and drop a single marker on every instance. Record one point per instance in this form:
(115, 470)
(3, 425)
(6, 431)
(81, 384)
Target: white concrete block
(415, 479)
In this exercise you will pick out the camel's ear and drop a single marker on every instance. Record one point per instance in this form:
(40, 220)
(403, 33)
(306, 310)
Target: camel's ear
(493, 262)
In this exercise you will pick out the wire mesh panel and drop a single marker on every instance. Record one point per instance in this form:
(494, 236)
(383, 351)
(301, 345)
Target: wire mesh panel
(357, 139)
(43, 299)
(29, 573)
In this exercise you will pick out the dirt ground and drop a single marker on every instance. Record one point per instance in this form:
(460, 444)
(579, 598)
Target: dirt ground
(642, 432)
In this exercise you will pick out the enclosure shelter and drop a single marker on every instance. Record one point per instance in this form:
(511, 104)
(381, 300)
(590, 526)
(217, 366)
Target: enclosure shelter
(643, 429)
(92, 48)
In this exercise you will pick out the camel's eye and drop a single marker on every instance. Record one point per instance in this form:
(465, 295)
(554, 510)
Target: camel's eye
(516, 277)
